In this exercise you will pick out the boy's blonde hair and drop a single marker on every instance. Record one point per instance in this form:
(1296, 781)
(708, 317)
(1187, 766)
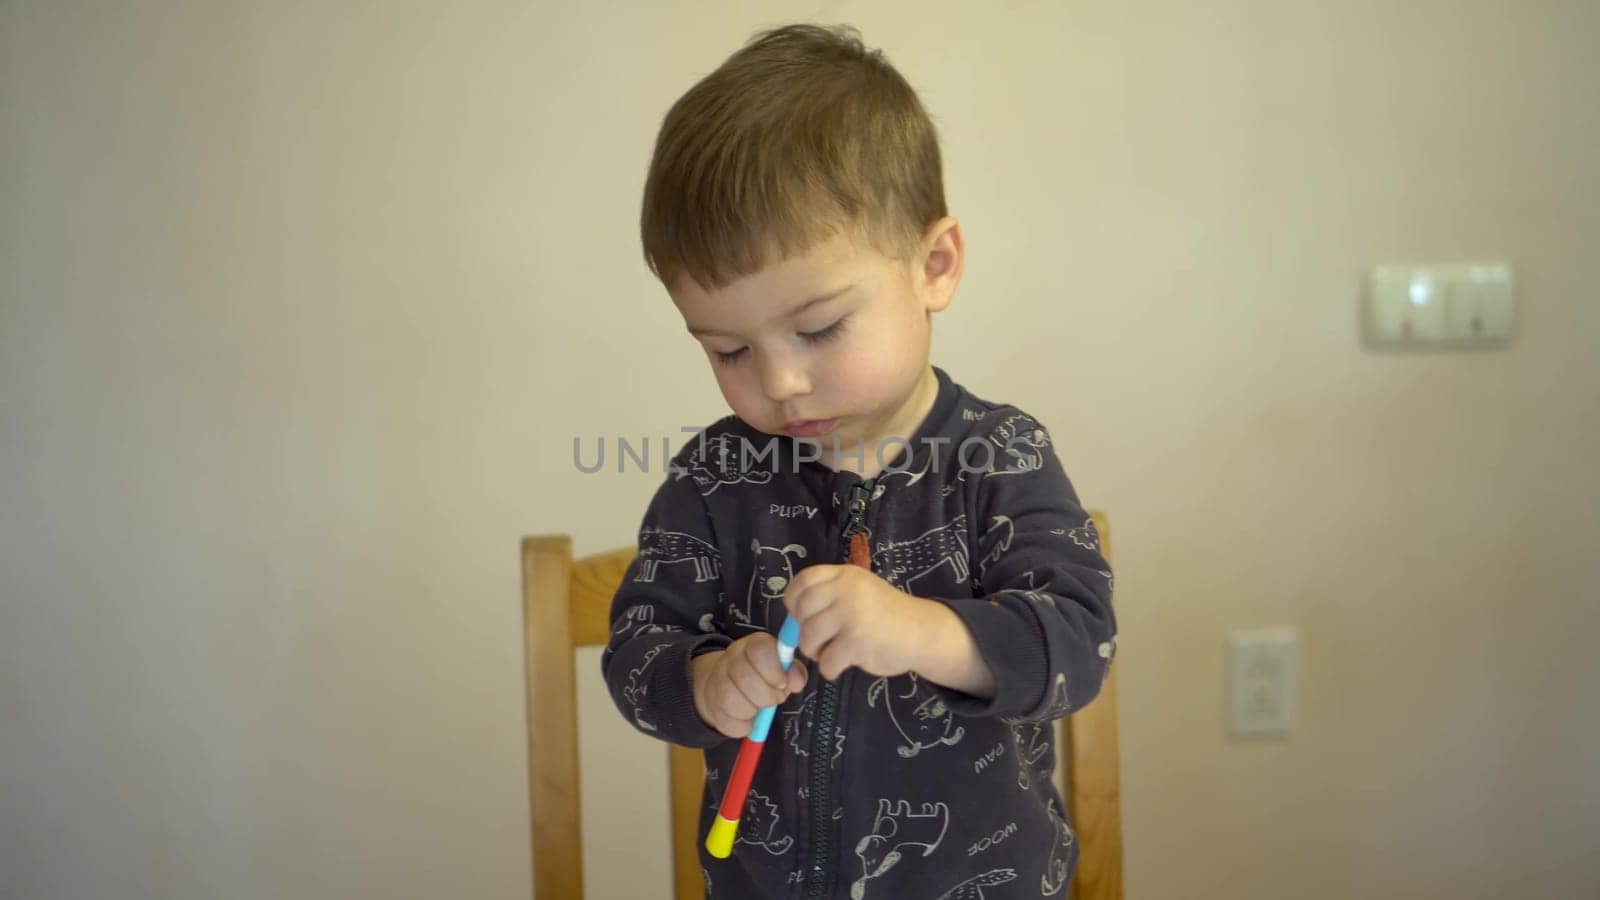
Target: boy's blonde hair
(801, 134)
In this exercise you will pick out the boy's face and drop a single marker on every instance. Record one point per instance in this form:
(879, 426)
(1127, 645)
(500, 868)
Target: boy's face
(832, 344)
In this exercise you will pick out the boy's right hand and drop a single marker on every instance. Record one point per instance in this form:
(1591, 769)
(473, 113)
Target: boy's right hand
(732, 685)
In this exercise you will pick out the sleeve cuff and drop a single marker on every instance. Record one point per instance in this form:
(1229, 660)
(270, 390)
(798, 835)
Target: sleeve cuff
(684, 725)
(1011, 641)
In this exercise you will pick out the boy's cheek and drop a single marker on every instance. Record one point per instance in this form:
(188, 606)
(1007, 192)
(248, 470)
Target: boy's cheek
(744, 403)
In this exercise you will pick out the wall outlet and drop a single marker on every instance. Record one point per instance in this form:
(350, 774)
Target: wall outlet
(1263, 668)
(1465, 305)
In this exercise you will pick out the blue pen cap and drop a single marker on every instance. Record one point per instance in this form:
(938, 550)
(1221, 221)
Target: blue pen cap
(788, 636)
(762, 724)
(790, 632)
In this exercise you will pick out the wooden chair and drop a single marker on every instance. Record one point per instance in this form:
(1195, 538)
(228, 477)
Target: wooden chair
(565, 604)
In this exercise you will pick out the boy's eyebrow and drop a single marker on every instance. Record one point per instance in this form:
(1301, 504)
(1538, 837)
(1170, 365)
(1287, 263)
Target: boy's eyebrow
(820, 298)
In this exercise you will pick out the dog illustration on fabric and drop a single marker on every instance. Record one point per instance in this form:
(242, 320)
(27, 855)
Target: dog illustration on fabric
(1086, 535)
(638, 687)
(1022, 442)
(921, 717)
(658, 547)
(903, 562)
(910, 477)
(956, 484)
(972, 888)
(998, 537)
(1060, 864)
(894, 829)
(1059, 704)
(799, 721)
(720, 460)
(640, 620)
(1033, 744)
(772, 569)
(1033, 591)
(758, 826)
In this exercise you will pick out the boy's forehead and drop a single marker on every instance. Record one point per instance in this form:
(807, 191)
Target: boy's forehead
(779, 290)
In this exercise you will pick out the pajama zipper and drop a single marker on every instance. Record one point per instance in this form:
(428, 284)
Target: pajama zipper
(821, 801)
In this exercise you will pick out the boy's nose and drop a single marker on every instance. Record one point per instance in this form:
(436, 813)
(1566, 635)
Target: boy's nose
(781, 380)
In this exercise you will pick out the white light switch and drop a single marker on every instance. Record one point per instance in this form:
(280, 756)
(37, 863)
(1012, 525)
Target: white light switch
(1262, 674)
(1480, 306)
(1466, 305)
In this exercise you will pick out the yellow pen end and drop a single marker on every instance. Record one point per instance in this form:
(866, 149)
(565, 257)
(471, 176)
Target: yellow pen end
(719, 842)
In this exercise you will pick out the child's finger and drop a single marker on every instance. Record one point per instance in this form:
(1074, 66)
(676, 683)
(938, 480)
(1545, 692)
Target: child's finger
(736, 702)
(809, 602)
(805, 580)
(836, 657)
(757, 688)
(734, 728)
(761, 652)
(797, 677)
(818, 632)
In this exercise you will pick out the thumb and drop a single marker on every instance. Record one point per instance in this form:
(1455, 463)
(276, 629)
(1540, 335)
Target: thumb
(797, 677)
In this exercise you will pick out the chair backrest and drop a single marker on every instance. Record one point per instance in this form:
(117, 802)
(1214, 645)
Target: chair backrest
(565, 605)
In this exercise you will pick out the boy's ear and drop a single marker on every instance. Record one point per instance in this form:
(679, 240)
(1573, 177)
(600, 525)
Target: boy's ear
(943, 254)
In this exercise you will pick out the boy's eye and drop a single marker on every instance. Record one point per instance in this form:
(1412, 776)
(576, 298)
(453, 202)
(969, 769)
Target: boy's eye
(832, 331)
(729, 357)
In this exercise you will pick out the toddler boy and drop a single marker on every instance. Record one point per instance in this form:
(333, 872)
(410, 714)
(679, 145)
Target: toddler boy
(951, 593)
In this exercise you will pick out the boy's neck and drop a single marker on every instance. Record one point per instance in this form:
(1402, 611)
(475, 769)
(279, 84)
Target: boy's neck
(903, 426)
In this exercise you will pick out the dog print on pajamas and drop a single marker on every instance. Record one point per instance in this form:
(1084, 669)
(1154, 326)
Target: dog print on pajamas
(920, 716)
(657, 547)
(637, 687)
(1056, 871)
(799, 720)
(956, 484)
(1086, 535)
(771, 571)
(1033, 744)
(902, 562)
(641, 620)
(1032, 592)
(972, 888)
(895, 829)
(909, 476)
(1022, 443)
(759, 825)
(1002, 531)
(721, 460)
(1059, 704)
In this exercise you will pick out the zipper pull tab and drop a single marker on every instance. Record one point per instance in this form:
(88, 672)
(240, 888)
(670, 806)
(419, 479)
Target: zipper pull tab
(858, 545)
(861, 550)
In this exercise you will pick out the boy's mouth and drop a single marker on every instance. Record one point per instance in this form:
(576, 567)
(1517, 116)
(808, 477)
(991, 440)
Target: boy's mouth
(809, 427)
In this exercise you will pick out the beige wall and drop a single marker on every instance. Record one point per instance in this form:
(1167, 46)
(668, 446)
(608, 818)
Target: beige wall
(301, 308)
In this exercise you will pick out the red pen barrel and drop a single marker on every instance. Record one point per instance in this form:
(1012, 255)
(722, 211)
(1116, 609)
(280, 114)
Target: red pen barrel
(744, 769)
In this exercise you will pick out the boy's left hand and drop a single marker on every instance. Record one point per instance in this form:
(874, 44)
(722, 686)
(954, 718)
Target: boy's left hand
(849, 616)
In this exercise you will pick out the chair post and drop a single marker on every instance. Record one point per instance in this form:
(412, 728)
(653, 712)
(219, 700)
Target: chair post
(688, 768)
(1094, 776)
(552, 717)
